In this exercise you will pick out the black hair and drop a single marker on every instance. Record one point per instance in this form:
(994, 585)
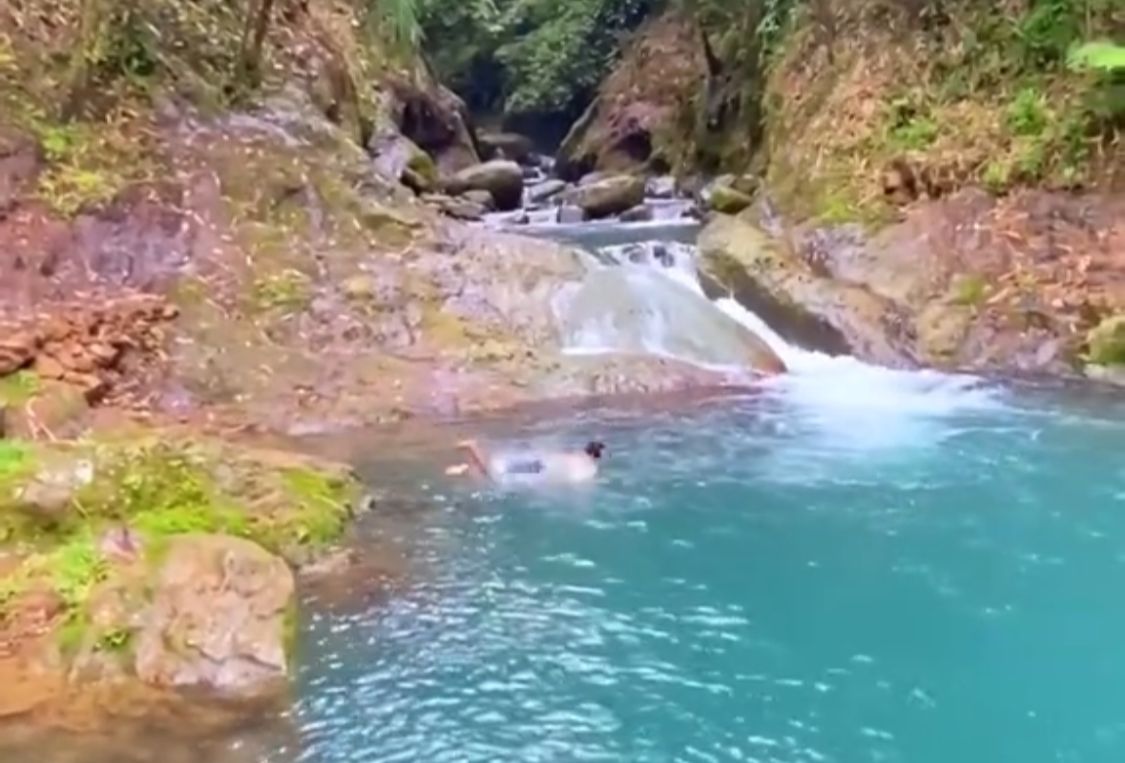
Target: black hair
(594, 449)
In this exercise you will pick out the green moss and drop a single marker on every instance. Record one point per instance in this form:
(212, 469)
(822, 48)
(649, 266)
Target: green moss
(1107, 342)
(15, 458)
(18, 388)
(116, 640)
(287, 290)
(320, 507)
(969, 290)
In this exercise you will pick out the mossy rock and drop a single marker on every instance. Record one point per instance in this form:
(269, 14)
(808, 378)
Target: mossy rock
(288, 504)
(1107, 342)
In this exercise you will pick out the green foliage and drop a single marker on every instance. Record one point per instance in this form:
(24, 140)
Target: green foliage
(1100, 55)
(14, 458)
(400, 19)
(1048, 30)
(1027, 113)
(527, 55)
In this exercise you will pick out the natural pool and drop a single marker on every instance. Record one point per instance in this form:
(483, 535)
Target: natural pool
(854, 565)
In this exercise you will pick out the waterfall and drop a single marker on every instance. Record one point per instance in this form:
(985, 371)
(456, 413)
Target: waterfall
(646, 295)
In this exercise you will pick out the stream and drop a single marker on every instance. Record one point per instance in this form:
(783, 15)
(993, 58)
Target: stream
(849, 564)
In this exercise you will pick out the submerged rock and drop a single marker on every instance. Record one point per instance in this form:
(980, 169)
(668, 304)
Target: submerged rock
(502, 178)
(608, 196)
(219, 619)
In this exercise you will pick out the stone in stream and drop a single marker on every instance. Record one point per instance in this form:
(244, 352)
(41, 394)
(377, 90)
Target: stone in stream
(502, 178)
(459, 209)
(545, 190)
(482, 197)
(661, 187)
(219, 619)
(638, 214)
(506, 145)
(609, 196)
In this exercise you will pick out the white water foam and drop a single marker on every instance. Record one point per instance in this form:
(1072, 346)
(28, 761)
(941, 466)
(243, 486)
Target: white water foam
(850, 395)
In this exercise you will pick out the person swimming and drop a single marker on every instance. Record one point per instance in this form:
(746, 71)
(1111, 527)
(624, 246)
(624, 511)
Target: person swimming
(553, 467)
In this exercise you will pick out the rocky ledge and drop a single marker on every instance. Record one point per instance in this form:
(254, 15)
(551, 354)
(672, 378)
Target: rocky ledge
(158, 564)
(1031, 283)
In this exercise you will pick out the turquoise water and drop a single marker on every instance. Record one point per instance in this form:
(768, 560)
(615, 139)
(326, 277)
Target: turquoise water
(913, 569)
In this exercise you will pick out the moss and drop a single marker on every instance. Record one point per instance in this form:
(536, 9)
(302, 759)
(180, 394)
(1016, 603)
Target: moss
(116, 640)
(288, 290)
(321, 507)
(18, 388)
(163, 489)
(1107, 342)
(969, 290)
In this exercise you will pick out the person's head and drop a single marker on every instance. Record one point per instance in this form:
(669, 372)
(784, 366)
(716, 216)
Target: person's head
(594, 449)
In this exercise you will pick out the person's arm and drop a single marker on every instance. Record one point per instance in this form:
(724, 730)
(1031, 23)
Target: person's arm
(476, 457)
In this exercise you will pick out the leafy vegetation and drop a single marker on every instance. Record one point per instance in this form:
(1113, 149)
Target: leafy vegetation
(526, 56)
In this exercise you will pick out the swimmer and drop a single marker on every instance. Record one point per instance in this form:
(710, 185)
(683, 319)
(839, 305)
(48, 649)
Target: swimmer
(556, 467)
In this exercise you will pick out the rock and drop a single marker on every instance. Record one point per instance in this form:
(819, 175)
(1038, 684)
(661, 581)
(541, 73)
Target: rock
(738, 258)
(610, 196)
(548, 189)
(629, 306)
(399, 159)
(594, 177)
(16, 351)
(571, 215)
(54, 408)
(505, 145)
(626, 127)
(360, 287)
(502, 178)
(484, 198)
(50, 495)
(218, 619)
(661, 187)
(640, 213)
(457, 208)
(728, 201)
(1106, 342)
(434, 118)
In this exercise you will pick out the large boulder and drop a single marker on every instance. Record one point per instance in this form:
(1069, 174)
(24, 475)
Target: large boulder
(434, 118)
(739, 259)
(221, 612)
(502, 178)
(608, 196)
(506, 145)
